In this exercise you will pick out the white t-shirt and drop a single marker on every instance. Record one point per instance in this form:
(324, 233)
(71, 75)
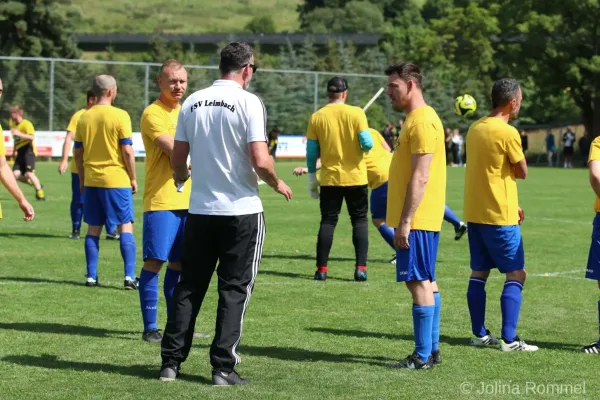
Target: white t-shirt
(218, 122)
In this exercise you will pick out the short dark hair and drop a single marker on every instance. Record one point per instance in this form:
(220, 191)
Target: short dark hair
(234, 56)
(90, 95)
(407, 72)
(504, 91)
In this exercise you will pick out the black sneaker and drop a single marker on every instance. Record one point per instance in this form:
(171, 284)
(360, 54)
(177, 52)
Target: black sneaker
(113, 236)
(75, 235)
(413, 362)
(130, 284)
(360, 275)
(152, 336)
(462, 229)
(92, 282)
(320, 276)
(436, 355)
(593, 348)
(220, 378)
(168, 372)
(393, 260)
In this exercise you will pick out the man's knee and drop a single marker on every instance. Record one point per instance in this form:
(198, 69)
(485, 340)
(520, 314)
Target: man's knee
(153, 265)
(94, 230)
(518, 275)
(377, 222)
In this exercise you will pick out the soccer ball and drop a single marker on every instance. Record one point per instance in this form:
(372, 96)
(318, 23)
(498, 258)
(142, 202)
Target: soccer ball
(465, 105)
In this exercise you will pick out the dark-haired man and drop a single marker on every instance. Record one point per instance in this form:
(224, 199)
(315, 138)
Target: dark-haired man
(223, 129)
(491, 209)
(415, 207)
(339, 134)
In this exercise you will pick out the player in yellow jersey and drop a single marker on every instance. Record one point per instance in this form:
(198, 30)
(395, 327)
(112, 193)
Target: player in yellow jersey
(106, 168)
(415, 207)
(76, 195)
(491, 208)
(339, 134)
(24, 136)
(165, 209)
(10, 183)
(593, 265)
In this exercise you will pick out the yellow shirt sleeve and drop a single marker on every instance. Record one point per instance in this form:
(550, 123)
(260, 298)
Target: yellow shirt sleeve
(311, 132)
(125, 128)
(153, 126)
(27, 127)
(2, 147)
(595, 150)
(514, 150)
(362, 122)
(422, 138)
(72, 127)
(79, 132)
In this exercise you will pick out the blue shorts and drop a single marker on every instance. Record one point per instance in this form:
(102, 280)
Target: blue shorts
(107, 205)
(593, 265)
(495, 246)
(379, 201)
(76, 196)
(417, 263)
(163, 235)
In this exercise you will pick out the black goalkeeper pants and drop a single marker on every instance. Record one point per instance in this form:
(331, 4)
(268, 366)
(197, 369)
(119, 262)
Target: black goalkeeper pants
(357, 201)
(236, 243)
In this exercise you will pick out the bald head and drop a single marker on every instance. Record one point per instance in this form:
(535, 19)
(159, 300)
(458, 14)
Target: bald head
(103, 85)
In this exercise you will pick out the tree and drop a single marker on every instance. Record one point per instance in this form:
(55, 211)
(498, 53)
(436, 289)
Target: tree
(261, 24)
(353, 17)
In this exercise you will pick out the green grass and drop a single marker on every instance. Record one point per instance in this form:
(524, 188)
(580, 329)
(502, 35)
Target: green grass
(302, 339)
(182, 16)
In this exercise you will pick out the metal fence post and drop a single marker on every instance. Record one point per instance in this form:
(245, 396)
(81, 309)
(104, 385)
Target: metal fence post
(316, 104)
(147, 86)
(51, 97)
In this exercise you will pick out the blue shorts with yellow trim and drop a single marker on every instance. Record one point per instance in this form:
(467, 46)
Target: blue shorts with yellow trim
(163, 235)
(107, 205)
(496, 246)
(417, 263)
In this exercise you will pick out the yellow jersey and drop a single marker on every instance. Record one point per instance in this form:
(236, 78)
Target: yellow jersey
(336, 127)
(25, 127)
(2, 154)
(490, 184)
(422, 133)
(160, 192)
(594, 156)
(378, 161)
(101, 131)
(72, 127)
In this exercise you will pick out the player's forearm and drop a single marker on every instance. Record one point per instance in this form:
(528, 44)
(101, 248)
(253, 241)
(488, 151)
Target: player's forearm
(265, 169)
(24, 136)
(67, 146)
(8, 180)
(414, 195)
(129, 159)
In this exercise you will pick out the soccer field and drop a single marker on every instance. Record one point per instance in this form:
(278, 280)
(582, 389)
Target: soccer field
(302, 339)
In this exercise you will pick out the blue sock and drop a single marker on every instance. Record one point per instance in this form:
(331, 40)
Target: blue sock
(128, 253)
(435, 327)
(387, 234)
(510, 302)
(110, 228)
(449, 216)
(76, 215)
(92, 248)
(422, 322)
(148, 287)
(171, 279)
(476, 298)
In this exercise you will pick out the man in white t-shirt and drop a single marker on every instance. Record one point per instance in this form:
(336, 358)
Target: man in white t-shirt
(569, 146)
(223, 128)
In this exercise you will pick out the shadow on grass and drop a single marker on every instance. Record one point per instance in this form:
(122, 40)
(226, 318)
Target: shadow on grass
(299, 275)
(452, 341)
(305, 355)
(52, 282)
(138, 371)
(32, 235)
(63, 329)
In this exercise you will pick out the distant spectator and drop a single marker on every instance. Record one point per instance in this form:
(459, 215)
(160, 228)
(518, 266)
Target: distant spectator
(550, 147)
(524, 141)
(569, 144)
(388, 135)
(273, 141)
(457, 144)
(584, 148)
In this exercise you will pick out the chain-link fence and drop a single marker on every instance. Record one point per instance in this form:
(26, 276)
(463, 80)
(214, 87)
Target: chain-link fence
(51, 90)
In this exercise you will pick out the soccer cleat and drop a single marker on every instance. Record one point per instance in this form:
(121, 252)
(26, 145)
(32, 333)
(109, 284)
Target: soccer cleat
(413, 362)
(168, 372)
(436, 357)
(517, 345)
(593, 348)
(74, 235)
(360, 275)
(130, 284)
(220, 378)
(462, 229)
(487, 340)
(91, 282)
(113, 236)
(152, 336)
(320, 276)
(393, 260)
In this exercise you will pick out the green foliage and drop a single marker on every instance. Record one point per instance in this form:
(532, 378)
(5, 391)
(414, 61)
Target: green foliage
(354, 17)
(261, 24)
